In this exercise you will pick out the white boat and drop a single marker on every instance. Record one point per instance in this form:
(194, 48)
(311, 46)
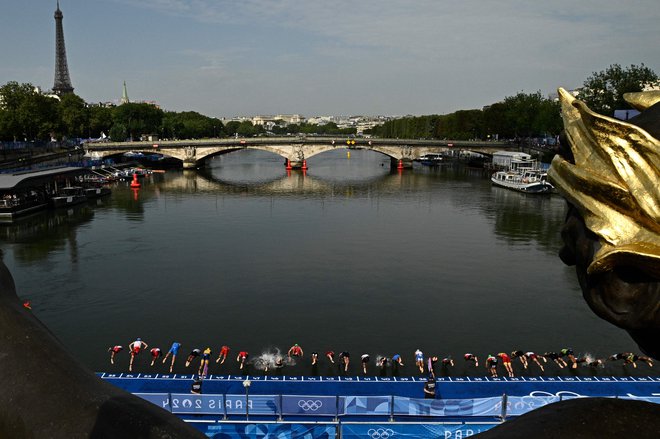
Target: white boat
(529, 181)
(431, 159)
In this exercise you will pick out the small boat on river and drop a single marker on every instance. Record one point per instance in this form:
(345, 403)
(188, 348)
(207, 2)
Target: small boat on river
(431, 159)
(68, 196)
(529, 181)
(96, 191)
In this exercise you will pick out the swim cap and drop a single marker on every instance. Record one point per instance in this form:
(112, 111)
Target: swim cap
(139, 339)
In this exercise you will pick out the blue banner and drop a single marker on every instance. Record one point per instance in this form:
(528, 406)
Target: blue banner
(309, 405)
(519, 405)
(258, 431)
(190, 403)
(411, 431)
(447, 407)
(257, 404)
(162, 400)
(365, 405)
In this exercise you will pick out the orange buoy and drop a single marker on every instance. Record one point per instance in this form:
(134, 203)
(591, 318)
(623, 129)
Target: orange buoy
(288, 165)
(400, 165)
(135, 182)
(304, 166)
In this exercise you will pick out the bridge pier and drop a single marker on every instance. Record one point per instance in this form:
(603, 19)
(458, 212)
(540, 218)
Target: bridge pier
(404, 163)
(295, 164)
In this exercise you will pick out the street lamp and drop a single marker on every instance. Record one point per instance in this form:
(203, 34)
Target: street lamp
(246, 384)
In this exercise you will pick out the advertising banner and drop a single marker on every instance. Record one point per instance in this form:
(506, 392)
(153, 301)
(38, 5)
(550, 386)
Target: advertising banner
(412, 431)
(257, 404)
(447, 407)
(190, 403)
(162, 400)
(309, 405)
(280, 431)
(365, 405)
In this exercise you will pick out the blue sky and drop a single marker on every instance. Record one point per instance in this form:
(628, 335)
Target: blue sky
(389, 57)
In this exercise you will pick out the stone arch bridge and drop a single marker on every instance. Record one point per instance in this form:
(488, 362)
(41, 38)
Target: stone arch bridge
(294, 149)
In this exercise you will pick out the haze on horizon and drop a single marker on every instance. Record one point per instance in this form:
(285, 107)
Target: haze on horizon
(390, 57)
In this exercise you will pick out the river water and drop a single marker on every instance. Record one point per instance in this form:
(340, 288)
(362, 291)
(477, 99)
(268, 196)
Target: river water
(349, 257)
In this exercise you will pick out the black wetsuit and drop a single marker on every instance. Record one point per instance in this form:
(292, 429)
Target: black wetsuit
(429, 389)
(196, 387)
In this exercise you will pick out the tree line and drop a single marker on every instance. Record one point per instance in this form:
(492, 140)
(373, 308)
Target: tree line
(525, 115)
(28, 115)
(522, 115)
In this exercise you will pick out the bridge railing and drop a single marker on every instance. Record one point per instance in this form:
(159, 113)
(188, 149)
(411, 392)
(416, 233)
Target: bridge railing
(339, 142)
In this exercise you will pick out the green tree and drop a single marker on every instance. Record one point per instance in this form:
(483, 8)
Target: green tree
(495, 122)
(190, 125)
(26, 114)
(247, 129)
(118, 132)
(100, 121)
(138, 118)
(74, 116)
(231, 128)
(603, 91)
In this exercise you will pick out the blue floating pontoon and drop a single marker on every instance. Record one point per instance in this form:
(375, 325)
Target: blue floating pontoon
(348, 407)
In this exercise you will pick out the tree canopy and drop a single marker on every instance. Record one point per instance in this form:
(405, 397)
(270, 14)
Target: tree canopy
(603, 91)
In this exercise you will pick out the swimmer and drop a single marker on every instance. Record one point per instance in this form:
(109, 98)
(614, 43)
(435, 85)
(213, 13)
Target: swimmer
(506, 361)
(242, 356)
(155, 354)
(556, 358)
(568, 352)
(193, 354)
(527, 357)
(590, 361)
(633, 358)
(330, 355)
(204, 364)
(224, 351)
(295, 351)
(491, 365)
(382, 365)
(396, 359)
(365, 360)
(431, 365)
(520, 355)
(447, 361)
(472, 357)
(345, 359)
(615, 357)
(135, 348)
(174, 350)
(114, 350)
(315, 357)
(279, 363)
(419, 360)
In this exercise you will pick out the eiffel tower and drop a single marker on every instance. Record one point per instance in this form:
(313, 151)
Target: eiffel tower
(62, 80)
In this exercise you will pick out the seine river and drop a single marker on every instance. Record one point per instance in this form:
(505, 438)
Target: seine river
(349, 257)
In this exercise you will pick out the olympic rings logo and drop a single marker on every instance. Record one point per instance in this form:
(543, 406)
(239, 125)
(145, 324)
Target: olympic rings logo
(308, 405)
(381, 433)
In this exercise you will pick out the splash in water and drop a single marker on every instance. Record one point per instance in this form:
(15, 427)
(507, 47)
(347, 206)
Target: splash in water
(272, 359)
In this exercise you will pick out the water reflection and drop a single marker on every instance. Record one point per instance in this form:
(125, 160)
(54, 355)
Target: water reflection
(45, 232)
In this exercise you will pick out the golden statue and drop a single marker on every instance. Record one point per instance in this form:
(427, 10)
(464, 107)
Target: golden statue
(611, 180)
